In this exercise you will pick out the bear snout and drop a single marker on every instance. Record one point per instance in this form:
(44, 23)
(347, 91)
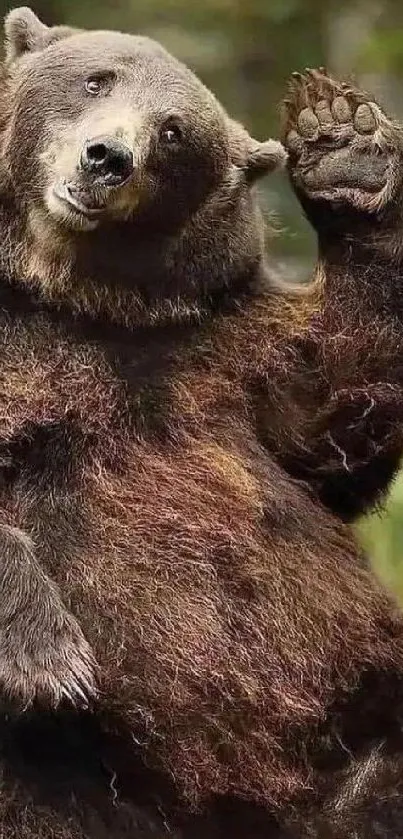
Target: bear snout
(108, 160)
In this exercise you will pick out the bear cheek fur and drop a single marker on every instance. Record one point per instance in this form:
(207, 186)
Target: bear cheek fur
(21, 156)
(34, 129)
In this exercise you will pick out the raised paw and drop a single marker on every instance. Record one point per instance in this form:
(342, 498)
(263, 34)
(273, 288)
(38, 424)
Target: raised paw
(342, 148)
(43, 653)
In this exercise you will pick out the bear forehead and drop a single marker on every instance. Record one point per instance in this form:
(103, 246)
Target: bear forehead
(137, 60)
(121, 47)
(114, 51)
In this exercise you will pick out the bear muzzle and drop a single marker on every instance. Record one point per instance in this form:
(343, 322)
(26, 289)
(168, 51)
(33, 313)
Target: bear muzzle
(107, 160)
(83, 202)
(105, 165)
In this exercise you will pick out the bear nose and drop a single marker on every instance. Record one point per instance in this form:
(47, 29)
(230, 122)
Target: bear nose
(109, 159)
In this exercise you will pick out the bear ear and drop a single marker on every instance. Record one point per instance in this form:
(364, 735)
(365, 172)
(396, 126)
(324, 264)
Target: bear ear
(263, 158)
(26, 33)
(253, 158)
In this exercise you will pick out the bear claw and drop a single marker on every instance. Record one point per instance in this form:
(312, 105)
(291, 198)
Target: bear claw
(58, 668)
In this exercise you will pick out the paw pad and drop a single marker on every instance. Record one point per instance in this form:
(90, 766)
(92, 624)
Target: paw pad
(342, 148)
(341, 110)
(364, 120)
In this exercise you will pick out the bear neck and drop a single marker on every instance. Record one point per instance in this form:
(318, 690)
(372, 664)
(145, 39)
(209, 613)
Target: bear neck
(131, 275)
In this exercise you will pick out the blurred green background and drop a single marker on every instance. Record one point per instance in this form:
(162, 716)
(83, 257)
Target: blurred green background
(244, 50)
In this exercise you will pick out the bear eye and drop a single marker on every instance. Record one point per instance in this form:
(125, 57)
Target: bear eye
(95, 85)
(171, 133)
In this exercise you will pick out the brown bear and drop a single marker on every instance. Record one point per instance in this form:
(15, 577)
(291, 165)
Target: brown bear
(198, 643)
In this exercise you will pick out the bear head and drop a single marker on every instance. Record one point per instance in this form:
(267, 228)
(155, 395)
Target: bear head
(118, 166)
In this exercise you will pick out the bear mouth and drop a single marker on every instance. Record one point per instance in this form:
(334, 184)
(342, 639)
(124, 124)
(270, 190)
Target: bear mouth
(77, 201)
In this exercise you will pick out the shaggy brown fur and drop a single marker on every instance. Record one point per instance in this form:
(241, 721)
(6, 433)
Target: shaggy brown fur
(346, 168)
(157, 404)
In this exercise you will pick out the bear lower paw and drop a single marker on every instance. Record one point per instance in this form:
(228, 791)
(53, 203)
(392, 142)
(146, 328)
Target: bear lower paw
(43, 653)
(54, 667)
(342, 148)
